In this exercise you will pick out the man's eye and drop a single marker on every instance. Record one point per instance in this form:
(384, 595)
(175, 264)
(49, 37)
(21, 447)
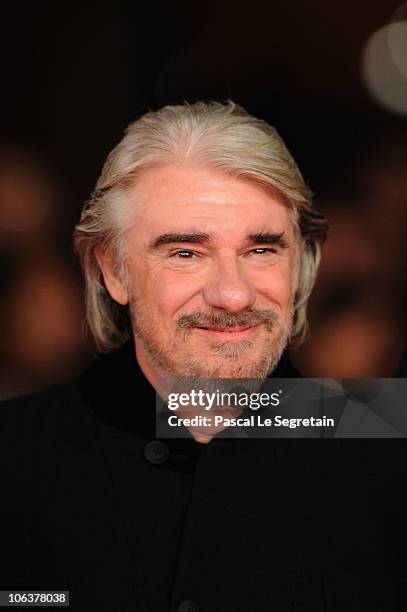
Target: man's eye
(263, 251)
(184, 254)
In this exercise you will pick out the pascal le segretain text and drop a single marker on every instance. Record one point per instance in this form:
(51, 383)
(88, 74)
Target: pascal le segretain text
(254, 420)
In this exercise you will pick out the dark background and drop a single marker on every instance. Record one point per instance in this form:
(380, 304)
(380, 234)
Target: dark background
(74, 75)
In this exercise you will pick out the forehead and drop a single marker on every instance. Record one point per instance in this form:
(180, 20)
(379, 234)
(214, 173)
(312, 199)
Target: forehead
(191, 196)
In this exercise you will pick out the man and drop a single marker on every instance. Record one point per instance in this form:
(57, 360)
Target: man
(200, 248)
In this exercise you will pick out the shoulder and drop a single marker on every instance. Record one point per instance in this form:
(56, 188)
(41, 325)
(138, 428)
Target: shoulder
(39, 411)
(53, 396)
(38, 430)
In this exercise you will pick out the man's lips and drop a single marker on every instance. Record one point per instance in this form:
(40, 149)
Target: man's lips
(228, 333)
(224, 329)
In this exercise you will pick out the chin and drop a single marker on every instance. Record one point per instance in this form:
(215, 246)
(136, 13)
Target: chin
(227, 368)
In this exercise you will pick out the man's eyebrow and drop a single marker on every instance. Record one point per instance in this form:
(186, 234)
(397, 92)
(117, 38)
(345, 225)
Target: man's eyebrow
(196, 237)
(269, 238)
(202, 237)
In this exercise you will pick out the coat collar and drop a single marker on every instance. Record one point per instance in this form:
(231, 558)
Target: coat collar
(118, 392)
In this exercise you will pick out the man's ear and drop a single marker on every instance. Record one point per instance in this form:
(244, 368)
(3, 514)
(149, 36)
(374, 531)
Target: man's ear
(114, 284)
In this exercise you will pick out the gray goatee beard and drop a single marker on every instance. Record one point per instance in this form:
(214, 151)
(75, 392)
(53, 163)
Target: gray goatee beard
(164, 358)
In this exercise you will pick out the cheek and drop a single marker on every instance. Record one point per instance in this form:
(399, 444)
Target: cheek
(166, 293)
(277, 288)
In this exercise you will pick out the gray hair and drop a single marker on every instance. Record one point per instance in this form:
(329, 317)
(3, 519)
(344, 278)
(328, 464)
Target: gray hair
(223, 136)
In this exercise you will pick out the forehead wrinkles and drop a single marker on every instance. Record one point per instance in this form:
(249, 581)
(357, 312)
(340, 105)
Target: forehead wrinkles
(237, 220)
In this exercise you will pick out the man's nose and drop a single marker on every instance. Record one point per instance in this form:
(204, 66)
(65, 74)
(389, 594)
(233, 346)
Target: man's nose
(229, 286)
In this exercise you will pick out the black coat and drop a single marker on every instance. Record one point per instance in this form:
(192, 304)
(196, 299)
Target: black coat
(239, 525)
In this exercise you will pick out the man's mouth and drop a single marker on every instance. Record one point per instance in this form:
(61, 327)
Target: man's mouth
(228, 333)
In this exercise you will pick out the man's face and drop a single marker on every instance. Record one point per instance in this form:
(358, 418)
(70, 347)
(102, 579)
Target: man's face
(211, 273)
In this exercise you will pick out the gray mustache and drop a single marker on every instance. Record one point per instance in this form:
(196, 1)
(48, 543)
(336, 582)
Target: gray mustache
(227, 320)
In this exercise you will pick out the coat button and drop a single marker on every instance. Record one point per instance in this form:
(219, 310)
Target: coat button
(156, 452)
(187, 606)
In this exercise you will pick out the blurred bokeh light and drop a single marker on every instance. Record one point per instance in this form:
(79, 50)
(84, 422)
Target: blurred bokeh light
(41, 311)
(385, 64)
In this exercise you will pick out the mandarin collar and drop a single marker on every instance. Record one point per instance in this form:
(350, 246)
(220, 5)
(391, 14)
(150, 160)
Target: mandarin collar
(117, 391)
